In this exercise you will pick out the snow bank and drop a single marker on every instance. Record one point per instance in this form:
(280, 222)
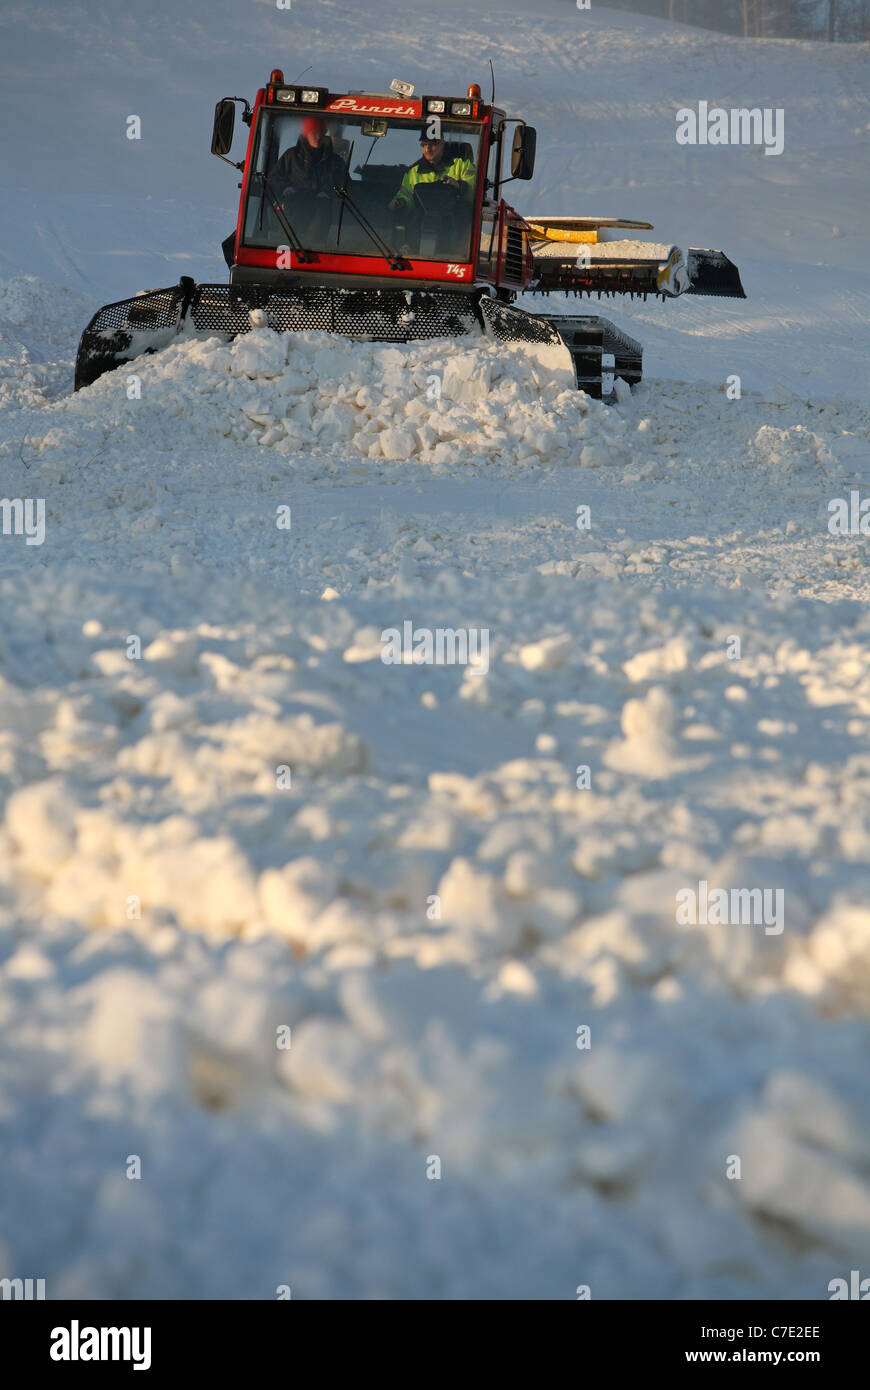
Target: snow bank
(40, 326)
(439, 402)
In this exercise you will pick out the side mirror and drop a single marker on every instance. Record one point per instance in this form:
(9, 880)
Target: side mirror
(224, 122)
(523, 152)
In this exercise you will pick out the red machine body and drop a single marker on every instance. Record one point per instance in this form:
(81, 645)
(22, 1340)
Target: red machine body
(499, 255)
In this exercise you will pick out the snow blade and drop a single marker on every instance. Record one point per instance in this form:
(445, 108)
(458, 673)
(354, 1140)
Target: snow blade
(711, 272)
(122, 331)
(509, 325)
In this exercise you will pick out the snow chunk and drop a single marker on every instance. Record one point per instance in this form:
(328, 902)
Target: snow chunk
(550, 654)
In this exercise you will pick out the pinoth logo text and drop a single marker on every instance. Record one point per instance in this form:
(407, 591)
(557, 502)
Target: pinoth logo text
(75, 1343)
(23, 516)
(714, 125)
(441, 646)
(739, 907)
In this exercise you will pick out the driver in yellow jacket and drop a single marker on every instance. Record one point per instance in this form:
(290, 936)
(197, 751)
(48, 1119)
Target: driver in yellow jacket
(438, 163)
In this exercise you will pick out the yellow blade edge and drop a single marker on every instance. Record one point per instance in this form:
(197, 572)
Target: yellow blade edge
(554, 234)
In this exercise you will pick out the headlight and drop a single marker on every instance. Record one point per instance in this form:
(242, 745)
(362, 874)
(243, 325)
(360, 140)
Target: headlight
(461, 108)
(436, 106)
(310, 96)
(287, 96)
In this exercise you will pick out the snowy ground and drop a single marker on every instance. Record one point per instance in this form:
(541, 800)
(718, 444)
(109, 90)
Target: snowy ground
(153, 781)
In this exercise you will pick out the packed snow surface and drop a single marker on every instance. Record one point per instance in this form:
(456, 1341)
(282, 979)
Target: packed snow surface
(301, 929)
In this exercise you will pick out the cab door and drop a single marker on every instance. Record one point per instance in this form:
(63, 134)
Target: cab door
(487, 260)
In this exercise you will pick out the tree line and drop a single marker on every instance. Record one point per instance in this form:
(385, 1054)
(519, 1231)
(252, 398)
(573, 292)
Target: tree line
(836, 21)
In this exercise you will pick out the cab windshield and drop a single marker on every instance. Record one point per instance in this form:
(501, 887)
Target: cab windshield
(424, 212)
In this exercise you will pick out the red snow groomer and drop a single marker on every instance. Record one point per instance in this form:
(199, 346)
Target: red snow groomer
(380, 216)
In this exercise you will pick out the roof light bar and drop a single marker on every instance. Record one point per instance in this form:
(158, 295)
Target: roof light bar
(443, 106)
(297, 96)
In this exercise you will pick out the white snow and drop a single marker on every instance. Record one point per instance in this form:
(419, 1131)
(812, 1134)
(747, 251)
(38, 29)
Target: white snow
(603, 250)
(257, 825)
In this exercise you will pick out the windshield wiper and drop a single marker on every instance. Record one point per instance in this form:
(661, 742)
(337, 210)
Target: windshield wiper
(394, 261)
(305, 256)
(344, 188)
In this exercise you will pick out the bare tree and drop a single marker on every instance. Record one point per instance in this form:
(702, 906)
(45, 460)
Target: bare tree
(837, 21)
(754, 19)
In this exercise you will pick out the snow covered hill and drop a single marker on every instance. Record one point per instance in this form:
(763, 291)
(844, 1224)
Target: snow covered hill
(435, 877)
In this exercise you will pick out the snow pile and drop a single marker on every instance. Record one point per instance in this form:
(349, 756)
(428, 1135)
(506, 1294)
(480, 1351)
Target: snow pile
(602, 250)
(440, 401)
(184, 459)
(40, 325)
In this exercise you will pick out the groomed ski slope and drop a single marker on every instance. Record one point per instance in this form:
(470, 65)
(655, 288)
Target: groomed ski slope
(308, 905)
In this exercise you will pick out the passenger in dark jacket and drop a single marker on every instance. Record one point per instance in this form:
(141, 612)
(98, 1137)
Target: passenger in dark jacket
(310, 166)
(303, 180)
